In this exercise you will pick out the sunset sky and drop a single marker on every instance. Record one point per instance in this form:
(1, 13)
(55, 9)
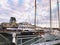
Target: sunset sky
(23, 11)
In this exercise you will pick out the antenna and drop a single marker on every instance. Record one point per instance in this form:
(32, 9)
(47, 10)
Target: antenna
(35, 16)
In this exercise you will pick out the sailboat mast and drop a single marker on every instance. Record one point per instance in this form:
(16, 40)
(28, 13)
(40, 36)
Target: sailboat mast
(58, 14)
(35, 16)
(50, 17)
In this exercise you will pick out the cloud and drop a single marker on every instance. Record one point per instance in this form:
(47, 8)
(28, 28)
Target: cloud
(24, 11)
(43, 9)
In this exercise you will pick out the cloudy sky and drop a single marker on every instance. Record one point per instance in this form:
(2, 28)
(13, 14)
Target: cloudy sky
(23, 11)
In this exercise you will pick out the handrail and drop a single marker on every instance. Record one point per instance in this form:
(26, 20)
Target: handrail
(26, 35)
(36, 41)
(26, 38)
(30, 40)
(5, 38)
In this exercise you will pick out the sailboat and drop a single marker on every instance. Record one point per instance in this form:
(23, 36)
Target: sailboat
(47, 38)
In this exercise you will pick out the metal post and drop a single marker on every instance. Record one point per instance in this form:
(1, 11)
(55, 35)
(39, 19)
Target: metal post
(50, 17)
(35, 15)
(58, 14)
(21, 41)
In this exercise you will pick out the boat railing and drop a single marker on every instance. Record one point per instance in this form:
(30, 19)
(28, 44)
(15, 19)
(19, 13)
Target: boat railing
(37, 41)
(29, 41)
